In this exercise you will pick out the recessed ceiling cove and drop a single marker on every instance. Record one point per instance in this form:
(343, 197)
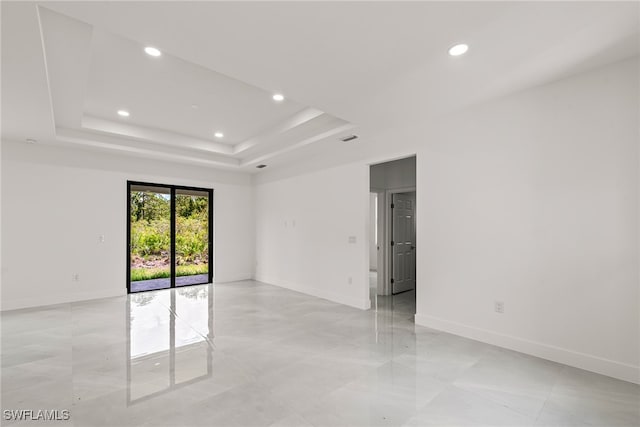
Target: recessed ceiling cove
(94, 76)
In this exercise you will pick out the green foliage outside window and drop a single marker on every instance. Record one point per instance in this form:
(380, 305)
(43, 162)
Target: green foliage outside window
(151, 235)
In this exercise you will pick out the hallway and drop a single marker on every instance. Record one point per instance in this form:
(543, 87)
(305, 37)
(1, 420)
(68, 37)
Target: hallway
(402, 304)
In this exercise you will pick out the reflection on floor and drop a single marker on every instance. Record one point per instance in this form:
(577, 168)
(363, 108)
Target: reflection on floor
(155, 284)
(404, 302)
(250, 354)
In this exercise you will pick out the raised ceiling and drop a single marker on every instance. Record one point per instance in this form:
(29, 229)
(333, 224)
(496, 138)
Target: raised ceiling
(67, 67)
(175, 107)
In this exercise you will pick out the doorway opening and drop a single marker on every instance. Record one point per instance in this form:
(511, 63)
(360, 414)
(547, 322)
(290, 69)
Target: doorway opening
(393, 221)
(169, 236)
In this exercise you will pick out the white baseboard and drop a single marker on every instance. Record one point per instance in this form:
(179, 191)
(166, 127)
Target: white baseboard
(233, 278)
(340, 299)
(64, 298)
(42, 301)
(611, 368)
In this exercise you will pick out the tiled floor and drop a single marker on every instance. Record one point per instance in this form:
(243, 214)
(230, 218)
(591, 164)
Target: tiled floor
(249, 354)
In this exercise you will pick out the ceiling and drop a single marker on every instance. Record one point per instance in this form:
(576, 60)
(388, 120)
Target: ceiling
(344, 67)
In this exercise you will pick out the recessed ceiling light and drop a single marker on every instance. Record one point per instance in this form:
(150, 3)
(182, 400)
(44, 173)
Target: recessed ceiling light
(218, 134)
(194, 106)
(152, 51)
(261, 166)
(278, 97)
(123, 113)
(30, 141)
(459, 49)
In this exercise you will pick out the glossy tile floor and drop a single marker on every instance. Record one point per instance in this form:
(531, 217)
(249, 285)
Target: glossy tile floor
(249, 354)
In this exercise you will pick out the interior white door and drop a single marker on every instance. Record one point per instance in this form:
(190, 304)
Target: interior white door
(403, 243)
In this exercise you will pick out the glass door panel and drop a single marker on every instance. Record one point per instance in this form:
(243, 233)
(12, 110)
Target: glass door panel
(149, 238)
(192, 237)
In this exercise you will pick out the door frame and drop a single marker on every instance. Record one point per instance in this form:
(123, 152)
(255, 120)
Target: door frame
(172, 189)
(380, 253)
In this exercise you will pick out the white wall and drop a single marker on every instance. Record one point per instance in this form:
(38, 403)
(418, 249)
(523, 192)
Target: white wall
(57, 201)
(531, 199)
(303, 230)
(394, 175)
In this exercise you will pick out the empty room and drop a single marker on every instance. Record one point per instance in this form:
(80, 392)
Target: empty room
(320, 213)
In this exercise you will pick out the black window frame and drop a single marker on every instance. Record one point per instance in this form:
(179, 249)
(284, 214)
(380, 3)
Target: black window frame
(172, 190)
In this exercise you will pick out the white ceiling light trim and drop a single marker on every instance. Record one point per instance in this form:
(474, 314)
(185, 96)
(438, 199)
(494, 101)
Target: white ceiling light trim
(278, 97)
(459, 49)
(292, 122)
(123, 113)
(148, 149)
(307, 141)
(125, 129)
(219, 135)
(152, 51)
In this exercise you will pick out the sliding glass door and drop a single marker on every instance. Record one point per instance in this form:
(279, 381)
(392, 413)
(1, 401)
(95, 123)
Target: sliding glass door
(169, 236)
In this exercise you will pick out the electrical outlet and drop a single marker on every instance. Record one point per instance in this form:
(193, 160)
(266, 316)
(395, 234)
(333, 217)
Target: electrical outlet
(498, 306)
(350, 280)
(352, 239)
(101, 238)
(75, 277)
